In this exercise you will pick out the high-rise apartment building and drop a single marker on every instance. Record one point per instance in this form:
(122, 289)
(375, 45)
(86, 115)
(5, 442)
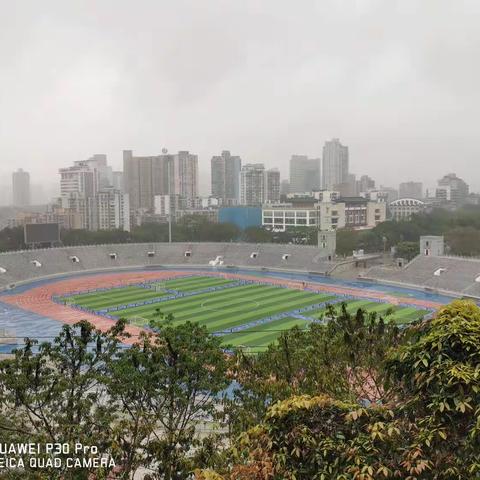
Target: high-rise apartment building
(304, 174)
(411, 190)
(259, 186)
(272, 186)
(110, 210)
(117, 181)
(86, 176)
(98, 162)
(146, 177)
(452, 189)
(252, 184)
(225, 178)
(365, 184)
(284, 187)
(183, 175)
(334, 164)
(21, 188)
(81, 179)
(88, 195)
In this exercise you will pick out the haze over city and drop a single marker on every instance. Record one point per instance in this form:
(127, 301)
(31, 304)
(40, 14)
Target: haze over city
(263, 79)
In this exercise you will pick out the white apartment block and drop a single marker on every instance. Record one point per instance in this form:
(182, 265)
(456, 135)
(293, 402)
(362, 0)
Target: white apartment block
(79, 179)
(111, 211)
(89, 197)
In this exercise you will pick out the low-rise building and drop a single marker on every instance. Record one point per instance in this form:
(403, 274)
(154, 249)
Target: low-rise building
(355, 212)
(361, 213)
(404, 208)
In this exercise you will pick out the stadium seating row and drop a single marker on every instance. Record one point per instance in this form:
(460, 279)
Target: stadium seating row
(440, 273)
(30, 264)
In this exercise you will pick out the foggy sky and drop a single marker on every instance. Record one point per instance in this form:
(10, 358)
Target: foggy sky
(396, 81)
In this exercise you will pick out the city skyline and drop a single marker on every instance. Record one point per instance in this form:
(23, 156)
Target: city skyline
(204, 172)
(114, 177)
(408, 101)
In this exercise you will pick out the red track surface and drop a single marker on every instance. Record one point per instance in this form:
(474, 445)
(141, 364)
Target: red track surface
(39, 299)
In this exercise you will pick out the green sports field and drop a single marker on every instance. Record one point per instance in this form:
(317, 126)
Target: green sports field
(240, 312)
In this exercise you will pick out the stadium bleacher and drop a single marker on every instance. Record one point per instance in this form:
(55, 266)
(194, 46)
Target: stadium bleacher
(456, 275)
(26, 265)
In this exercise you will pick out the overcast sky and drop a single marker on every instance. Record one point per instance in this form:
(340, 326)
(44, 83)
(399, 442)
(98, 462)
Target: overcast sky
(396, 81)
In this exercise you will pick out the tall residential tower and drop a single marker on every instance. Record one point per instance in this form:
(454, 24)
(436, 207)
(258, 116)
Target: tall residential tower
(146, 177)
(259, 186)
(225, 169)
(304, 174)
(334, 165)
(21, 188)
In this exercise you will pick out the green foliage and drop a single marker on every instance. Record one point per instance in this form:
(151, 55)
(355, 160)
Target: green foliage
(428, 428)
(341, 356)
(141, 405)
(407, 250)
(53, 392)
(461, 229)
(347, 241)
(165, 387)
(352, 398)
(258, 235)
(189, 228)
(317, 437)
(438, 378)
(464, 241)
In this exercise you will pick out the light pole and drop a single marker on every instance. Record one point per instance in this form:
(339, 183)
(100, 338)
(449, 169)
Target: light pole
(169, 204)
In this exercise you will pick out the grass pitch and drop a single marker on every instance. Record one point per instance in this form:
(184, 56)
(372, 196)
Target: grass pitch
(238, 312)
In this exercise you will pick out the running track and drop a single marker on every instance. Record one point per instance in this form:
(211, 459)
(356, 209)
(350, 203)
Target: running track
(39, 299)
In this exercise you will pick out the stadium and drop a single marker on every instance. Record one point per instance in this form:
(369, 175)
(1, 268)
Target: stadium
(246, 293)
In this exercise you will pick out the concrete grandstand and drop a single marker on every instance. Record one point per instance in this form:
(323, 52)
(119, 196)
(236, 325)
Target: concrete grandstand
(433, 271)
(20, 266)
(450, 275)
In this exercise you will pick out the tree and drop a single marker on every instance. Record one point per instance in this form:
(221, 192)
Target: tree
(165, 386)
(347, 241)
(53, 392)
(317, 437)
(340, 356)
(427, 429)
(407, 250)
(437, 376)
(257, 235)
(464, 241)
